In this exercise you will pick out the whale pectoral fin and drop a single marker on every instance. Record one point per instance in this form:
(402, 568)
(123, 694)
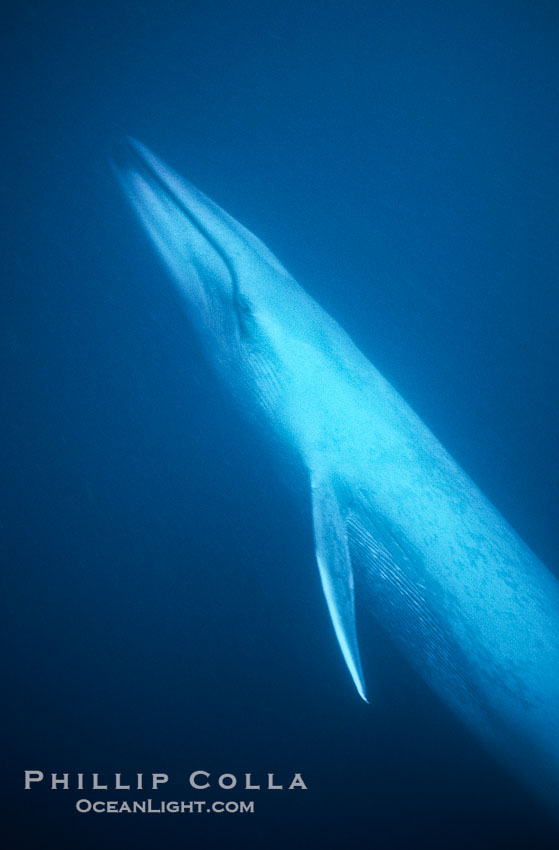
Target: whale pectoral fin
(336, 573)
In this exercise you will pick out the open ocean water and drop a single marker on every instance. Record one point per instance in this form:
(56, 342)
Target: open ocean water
(162, 606)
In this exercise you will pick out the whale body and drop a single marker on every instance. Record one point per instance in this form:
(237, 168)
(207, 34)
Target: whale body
(395, 517)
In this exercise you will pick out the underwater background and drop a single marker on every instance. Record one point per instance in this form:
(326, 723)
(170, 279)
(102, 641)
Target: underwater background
(162, 606)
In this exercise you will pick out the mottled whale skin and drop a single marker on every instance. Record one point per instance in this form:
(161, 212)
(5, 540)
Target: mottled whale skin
(466, 601)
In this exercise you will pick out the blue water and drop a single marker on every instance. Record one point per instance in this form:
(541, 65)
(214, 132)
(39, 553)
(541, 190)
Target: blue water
(163, 608)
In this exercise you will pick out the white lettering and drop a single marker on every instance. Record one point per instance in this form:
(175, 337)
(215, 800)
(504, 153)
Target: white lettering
(158, 779)
(118, 786)
(271, 786)
(248, 785)
(56, 781)
(193, 777)
(33, 776)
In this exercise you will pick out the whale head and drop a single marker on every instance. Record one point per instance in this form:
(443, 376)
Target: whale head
(226, 276)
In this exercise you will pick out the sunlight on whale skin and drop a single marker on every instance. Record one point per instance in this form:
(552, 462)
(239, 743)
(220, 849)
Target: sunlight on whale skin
(395, 518)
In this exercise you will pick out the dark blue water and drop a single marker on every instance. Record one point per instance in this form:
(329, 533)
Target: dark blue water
(162, 606)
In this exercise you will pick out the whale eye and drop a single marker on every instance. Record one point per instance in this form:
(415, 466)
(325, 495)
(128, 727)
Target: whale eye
(243, 312)
(244, 307)
(244, 304)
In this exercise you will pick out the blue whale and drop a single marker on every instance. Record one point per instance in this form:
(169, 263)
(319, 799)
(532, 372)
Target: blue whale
(395, 518)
